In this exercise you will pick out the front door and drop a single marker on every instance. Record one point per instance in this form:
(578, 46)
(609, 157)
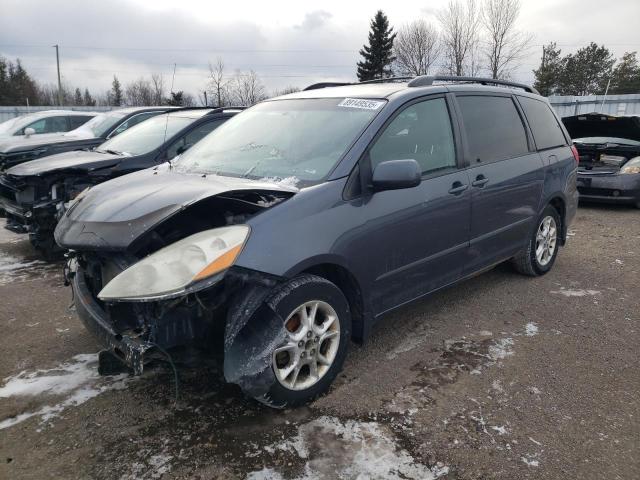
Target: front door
(421, 233)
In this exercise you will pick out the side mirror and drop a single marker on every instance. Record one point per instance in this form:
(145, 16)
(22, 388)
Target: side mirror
(396, 174)
(183, 148)
(28, 132)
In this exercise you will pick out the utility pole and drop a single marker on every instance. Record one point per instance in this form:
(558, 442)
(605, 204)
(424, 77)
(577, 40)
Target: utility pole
(59, 82)
(205, 99)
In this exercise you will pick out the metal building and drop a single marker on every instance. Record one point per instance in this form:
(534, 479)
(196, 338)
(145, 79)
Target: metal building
(567, 106)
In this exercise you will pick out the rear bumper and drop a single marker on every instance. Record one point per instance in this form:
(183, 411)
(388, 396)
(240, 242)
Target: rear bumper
(609, 188)
(128, 349)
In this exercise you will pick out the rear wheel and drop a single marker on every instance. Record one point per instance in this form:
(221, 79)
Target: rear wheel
(542, 248)
(317, 325)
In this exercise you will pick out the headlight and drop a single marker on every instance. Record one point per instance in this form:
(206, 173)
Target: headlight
(173, 269)
(632, 166)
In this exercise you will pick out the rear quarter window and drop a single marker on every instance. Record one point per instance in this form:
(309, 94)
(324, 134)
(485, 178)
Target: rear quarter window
(544, 124)
(493, 127)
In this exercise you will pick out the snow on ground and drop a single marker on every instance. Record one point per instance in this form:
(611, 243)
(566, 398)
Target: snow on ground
(68, 385)
(15, 268)
(531, 329)
(501, 349)
(575, 293)
(332, 448)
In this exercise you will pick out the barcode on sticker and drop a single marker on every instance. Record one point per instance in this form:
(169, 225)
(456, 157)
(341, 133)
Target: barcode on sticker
(361, 103)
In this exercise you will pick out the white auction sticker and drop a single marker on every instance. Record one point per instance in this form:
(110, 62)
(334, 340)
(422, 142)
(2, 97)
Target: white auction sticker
(361, 103)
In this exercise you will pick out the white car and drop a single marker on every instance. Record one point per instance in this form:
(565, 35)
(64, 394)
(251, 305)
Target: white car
(44, 122)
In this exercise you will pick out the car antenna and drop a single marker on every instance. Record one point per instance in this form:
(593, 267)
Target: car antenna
(166, 123)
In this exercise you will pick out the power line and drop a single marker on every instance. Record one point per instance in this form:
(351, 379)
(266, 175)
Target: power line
(218, 50)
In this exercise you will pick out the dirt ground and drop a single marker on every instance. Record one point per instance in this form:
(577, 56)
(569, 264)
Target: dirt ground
(500, 377)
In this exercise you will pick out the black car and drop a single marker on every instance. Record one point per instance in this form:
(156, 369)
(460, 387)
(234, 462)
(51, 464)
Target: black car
(609, 148)
(34, 194)
(18, 150)
(302, 221)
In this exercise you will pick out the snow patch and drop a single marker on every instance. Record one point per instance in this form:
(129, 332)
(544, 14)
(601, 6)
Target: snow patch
(531, 462)
(531, 329)
(15, 269)
(575, 293)
(351, 449)
(76, 382)
(286, 182)
(501, 349)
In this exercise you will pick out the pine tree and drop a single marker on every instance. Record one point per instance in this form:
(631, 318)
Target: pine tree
(626, 75)
(378, 55)
(116, 92)
(176, 99)
(77, 99)
(587, 71)
(88, 99)
(549, 71)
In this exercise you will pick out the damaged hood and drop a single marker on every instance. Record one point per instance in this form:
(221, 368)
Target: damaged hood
(76, 160)
(113, 214)
(601, 125)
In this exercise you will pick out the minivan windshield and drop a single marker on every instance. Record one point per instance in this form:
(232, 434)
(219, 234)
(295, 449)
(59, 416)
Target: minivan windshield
(146, 136)
(302, 139)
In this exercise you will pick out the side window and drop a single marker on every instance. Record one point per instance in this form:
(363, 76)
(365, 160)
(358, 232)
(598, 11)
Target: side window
(78, 120)
(421, 132)
(131, 121)
(56, 124)
(544, 124)
(39, 126)
(194, 136)
(494, 128)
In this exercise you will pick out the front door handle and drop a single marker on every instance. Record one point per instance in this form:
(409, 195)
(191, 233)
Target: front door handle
(457, 188)
(480, 181)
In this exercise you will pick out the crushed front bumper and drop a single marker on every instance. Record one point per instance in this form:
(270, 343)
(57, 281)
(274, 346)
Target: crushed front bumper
(615, 188)
(129, 349)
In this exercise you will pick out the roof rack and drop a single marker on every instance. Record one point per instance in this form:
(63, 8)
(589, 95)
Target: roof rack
(388, 79)
(222, 109)
(316, 86)
(427, 80)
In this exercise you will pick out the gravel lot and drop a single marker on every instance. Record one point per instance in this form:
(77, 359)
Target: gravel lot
(500, 377)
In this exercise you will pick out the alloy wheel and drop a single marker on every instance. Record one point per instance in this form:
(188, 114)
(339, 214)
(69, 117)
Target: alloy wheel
(546, 240)
(313, 338)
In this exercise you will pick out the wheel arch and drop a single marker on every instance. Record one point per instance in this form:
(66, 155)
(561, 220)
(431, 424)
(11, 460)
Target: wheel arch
(558, 202)
(347, 282)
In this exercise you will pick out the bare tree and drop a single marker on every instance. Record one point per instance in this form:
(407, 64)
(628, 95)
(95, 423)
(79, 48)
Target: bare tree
(459, 22)
(246, 88)
(416, 48)
(157, 85)
(505, 45)
(285, 91)
(218, 84)
(139, 93)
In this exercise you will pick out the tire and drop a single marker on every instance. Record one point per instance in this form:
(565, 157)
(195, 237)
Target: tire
(528, 262)
(307, 290)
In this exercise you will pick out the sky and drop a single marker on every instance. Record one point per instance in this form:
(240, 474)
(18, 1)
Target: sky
(287, 43)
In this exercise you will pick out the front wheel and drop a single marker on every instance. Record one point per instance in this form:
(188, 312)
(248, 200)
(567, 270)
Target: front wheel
(317, 326)
(542, 248)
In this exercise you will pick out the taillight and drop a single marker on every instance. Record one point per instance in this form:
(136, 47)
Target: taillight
(576, 155)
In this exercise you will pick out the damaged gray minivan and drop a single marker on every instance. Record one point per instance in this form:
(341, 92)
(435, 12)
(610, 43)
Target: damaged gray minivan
(303, 220)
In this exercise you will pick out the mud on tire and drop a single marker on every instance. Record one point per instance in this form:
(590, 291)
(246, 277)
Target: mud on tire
(297, 345)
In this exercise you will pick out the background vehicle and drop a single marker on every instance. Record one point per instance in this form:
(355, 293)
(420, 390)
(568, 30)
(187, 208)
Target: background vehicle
(305, 219)
(609, 148)
(45, 122)
(33, 194)
(16, 150)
